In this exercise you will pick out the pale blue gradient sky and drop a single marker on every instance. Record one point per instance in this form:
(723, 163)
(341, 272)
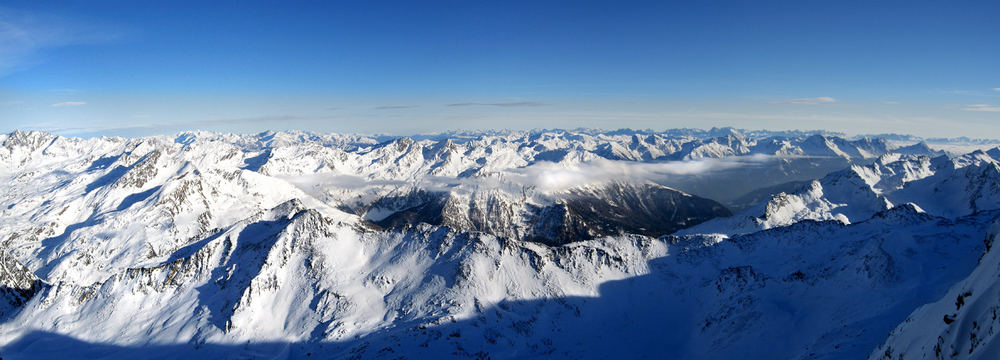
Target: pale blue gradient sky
(133, 68)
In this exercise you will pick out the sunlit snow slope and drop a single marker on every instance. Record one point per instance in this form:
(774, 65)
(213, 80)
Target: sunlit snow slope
(570, 244)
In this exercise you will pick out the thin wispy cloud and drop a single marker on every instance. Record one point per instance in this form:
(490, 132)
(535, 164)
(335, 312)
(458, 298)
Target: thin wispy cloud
(806, 101)
(24, 35)
(394, 107)
(501, 104)
(987, 93)
(982, 107)
(69, 103)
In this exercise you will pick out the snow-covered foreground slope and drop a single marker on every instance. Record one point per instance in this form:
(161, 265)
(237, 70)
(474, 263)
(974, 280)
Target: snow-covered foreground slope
(290, 282)
(962, 324)
(475, 245)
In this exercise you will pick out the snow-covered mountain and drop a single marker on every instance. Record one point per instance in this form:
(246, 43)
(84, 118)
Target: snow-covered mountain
(944, 186)
(486, 244)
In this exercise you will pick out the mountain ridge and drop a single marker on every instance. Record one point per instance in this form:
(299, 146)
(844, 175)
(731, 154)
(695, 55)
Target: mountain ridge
(502, 244)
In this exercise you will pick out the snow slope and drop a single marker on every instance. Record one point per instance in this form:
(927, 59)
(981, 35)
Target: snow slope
(962, 324)
(476, 244)
(290, 276)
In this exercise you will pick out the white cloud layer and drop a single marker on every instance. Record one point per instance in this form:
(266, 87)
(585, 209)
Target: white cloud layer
(500, 104)
(547, 177)
(806, 101)
(69, 103)
(553, 177)
(982, 107)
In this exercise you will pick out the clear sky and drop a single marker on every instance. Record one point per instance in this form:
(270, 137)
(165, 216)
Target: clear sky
(85, 68)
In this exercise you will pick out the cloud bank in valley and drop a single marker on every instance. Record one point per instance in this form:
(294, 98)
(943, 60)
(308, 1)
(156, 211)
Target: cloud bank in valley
(555, 177)
(546, 177)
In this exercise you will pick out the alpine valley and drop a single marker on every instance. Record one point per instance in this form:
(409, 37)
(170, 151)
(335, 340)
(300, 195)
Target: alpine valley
(677, 244)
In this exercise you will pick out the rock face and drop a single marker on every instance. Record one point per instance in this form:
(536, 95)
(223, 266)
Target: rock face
(17, 285)
(557, 244)
(646, 209)
(576, 214)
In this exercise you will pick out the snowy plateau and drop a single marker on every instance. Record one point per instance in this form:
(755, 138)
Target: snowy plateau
(677, 244)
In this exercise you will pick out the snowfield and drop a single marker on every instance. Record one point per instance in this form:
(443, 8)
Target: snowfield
(568, 244)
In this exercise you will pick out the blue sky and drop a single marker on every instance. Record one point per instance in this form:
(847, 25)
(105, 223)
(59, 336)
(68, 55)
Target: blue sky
(86, 68)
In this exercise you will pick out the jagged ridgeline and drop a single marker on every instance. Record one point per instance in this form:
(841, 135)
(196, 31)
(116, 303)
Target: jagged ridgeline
(490, 244)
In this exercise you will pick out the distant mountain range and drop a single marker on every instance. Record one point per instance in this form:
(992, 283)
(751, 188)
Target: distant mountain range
(685, 243)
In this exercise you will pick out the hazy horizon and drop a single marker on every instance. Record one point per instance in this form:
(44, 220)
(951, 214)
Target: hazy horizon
(904, 137)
